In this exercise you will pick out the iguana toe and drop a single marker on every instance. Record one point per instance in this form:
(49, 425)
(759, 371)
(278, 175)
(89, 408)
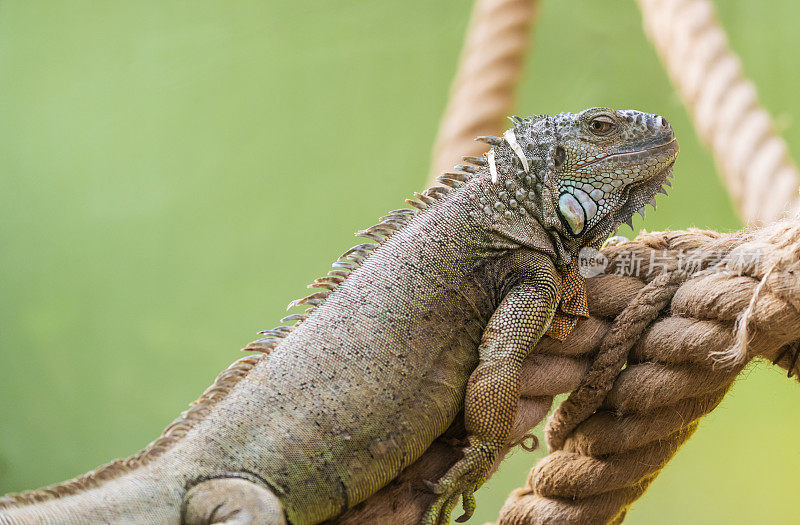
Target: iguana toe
(469, 504)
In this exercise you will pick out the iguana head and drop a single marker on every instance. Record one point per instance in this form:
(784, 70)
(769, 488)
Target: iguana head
(591, 171)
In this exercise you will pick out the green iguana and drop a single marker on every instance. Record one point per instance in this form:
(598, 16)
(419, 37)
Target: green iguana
(436, 315)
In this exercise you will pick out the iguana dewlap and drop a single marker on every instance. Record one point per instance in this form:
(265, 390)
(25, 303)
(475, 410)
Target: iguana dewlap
(435, 316)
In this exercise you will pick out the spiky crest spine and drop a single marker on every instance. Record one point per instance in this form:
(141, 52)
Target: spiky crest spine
(353, 258)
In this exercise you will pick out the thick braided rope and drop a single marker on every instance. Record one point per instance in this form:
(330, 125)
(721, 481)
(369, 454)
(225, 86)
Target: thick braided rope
(611, 357)
(749, 153)
(483, 92)
(672, 376)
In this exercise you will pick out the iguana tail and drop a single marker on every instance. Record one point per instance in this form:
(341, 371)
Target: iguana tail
(142, 497)
(135, 497)
(170, 481)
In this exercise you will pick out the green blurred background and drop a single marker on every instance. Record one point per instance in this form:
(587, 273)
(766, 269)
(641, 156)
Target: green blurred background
(172, 173)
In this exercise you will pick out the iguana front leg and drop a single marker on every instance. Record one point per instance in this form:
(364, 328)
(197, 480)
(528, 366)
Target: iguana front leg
(493, 389)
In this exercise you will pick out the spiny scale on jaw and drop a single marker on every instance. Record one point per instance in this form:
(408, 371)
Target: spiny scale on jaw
(652, 202)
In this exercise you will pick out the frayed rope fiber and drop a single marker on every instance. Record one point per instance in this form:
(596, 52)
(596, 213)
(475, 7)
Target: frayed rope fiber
(667, 308)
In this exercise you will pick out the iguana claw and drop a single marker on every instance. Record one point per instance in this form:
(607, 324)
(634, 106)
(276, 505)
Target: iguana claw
(461, 481)
(439, 512)
(469, 504)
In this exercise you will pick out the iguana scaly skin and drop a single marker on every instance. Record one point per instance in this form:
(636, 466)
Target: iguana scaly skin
(437, 315)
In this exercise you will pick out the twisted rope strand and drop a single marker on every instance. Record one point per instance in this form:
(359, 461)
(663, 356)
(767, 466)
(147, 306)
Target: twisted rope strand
(613, 354)
(484, 88)
(751, 156)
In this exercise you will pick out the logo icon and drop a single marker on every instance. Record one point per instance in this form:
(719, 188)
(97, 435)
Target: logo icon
(591, 262)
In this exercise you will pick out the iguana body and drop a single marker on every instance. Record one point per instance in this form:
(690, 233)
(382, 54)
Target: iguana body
(435, 317)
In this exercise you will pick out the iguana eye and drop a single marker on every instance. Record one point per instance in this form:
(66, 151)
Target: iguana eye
(601, 125)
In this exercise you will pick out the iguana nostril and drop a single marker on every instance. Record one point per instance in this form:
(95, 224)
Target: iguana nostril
(664, 123)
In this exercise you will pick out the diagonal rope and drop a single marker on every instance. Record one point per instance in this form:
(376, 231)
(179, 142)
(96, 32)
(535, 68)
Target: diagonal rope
(750, 155)
(484, 89)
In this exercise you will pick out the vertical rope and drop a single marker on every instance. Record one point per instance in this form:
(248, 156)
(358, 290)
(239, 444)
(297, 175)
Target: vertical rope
(751, 156)
(484, 88)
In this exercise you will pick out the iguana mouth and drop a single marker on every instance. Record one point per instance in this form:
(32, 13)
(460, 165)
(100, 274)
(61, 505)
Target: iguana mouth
(635, 154)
